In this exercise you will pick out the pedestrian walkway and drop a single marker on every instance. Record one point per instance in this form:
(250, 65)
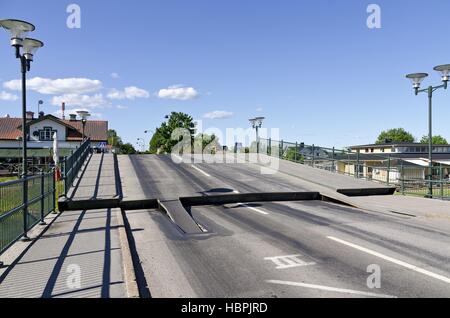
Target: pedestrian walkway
(97, 180)
(82, 253)
(78, 256)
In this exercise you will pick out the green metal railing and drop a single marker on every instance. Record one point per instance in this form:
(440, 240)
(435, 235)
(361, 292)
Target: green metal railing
(18, 217)
(14, 223)
(72, 165)
(378, 167)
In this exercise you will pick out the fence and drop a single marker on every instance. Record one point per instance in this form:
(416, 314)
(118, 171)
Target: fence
(378, 167)
(18, 217)
(71, 165)
(26, 202)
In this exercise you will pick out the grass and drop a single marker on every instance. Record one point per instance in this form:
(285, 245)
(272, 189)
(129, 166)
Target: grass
(11, 226)
(5, 179)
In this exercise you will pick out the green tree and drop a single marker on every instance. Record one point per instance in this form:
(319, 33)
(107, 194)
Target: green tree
(206, 143)
(395, 135)
(127, 149)
(163, 140)
(291, 155)
(436, 140)
(113, 138)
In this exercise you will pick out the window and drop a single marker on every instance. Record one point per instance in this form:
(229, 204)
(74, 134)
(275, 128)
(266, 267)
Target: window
(46, 134)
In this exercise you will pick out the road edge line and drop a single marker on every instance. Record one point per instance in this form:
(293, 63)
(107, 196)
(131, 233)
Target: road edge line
(129, 272)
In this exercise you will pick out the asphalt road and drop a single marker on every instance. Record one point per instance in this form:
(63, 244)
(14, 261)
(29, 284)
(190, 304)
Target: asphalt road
(290, 249)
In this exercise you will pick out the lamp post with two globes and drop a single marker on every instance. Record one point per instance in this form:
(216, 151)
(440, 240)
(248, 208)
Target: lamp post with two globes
(25, 48)
(417, 79)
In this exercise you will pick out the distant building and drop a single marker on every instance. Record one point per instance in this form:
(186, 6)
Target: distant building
(40, 136)
(406, 160)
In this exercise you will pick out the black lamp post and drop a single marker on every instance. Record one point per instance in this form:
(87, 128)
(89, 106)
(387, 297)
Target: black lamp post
(25, 48)
(416, 79)
(39, 106)
(84, 114)
(256, 124)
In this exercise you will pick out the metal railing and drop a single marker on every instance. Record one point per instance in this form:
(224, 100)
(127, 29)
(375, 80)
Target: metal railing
(18, 217)
(71, 165)
(383, 168)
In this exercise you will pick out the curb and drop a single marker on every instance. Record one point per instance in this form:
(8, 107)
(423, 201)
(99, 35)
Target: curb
(129, 273)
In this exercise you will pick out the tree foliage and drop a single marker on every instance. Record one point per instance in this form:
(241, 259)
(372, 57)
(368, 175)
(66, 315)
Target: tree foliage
(113, 138)
(395, 135)
(127, 149)
(436, 140)
(161, 141)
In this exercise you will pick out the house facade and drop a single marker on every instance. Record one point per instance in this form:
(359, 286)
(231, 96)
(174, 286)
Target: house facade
(395, 161)
(40, 132)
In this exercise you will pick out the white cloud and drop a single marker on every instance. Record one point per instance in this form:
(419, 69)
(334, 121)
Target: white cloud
(78, 100)
(218, 114)
(178, 92)
(114, 75)
(8, 96)
(131, 92)
(58, 86)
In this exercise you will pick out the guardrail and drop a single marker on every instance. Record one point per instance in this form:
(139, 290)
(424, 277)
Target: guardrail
(441, 188)
(19, 213)
(18, 217)
(71, 165)
(387, 168)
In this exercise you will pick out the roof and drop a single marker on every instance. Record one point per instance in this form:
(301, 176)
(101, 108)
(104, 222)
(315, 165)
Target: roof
(395, 144)
(10, 128)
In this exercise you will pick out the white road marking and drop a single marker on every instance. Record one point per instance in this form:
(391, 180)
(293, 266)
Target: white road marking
(288, 261)
(200, 170)
(393, 260)
(327, 288)
(252, 208)
(236, 191)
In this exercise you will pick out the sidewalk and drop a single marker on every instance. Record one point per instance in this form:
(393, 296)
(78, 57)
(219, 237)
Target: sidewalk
(98, 181)
(81, 253)
(78, 242)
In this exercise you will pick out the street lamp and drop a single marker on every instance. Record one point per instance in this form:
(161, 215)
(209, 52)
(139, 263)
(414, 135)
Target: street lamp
(142, 143)
(39, 106)
(256, 124)
(84, 114)
(416, 79)
(18, 30)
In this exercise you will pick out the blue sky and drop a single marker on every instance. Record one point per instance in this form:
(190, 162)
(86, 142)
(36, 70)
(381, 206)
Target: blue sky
(313, 68)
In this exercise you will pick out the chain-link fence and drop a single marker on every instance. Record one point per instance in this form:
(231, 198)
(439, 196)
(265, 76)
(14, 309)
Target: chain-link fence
(385, 168)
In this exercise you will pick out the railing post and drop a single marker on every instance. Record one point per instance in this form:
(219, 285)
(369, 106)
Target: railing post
(269, 149)
(333, 168)
(388, 169)
(402, 176)
(357, 164)
(25, 207)
(54, 191)
(42, 199)
(441, 181)
(296, 151)
(313, 155)
(281, 149)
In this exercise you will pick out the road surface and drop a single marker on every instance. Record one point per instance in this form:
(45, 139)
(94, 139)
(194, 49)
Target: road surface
(289, 249)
